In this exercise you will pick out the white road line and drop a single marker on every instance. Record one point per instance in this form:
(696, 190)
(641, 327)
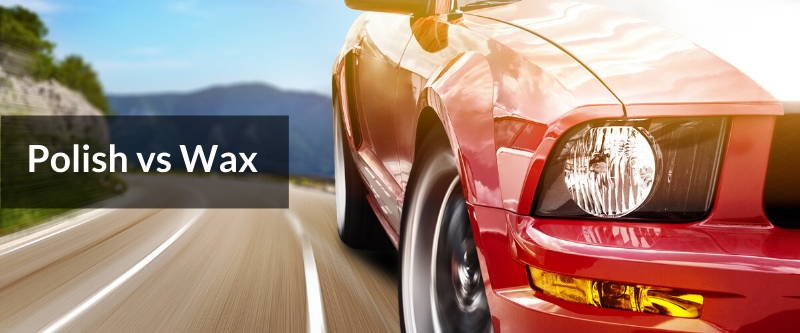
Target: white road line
(316, 316)
(89, 302)
(56, 229)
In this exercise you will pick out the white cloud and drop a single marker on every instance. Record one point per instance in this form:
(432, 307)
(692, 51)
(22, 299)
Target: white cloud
(39, 6)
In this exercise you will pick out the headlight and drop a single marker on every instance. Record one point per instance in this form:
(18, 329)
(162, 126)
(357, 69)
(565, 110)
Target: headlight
(609, 171)
(651, 169)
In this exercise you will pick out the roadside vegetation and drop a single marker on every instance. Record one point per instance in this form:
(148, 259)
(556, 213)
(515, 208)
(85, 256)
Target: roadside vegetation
(23, 37)
(15, 219)
(23, 32)
(323, 184)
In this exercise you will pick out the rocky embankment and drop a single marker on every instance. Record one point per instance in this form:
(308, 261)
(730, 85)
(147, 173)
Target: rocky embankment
(21, 95)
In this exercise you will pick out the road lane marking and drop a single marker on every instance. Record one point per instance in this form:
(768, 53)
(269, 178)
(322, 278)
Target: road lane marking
(56, 229)
(316, 315)
(89, 302)
(63, 224)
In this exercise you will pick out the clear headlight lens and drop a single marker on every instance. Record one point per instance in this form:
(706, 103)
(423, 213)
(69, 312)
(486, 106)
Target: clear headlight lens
(662, 169)
(610, 170)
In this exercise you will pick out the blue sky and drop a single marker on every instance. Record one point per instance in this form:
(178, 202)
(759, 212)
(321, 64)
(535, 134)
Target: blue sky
(179, 45)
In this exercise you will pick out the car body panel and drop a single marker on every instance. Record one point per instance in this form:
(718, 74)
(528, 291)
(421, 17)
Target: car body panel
(735, 257)
(374, 45)
(506, 83)
(676, 70)
(566, 93)
(534, 89)
(752, 36)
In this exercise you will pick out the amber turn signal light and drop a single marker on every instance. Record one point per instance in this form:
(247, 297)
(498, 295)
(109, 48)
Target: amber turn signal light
(616, 295)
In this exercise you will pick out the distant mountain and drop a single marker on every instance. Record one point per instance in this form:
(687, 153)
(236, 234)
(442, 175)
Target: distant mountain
(310, 130)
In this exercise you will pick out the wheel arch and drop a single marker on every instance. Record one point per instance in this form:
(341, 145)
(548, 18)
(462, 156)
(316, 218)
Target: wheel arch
(458, 103)
(459, 100)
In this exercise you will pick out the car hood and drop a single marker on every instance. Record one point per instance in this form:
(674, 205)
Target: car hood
(640, 61)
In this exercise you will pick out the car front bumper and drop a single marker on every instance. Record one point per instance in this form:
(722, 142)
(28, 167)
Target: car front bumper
(749, 277)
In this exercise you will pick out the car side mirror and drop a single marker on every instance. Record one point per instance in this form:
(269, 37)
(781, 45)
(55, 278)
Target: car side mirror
(430, 33)
(415, 7)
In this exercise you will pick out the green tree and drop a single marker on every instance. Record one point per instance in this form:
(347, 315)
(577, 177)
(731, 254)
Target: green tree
(77, 74)
(21, 30)
(30, 20)
(43, 66)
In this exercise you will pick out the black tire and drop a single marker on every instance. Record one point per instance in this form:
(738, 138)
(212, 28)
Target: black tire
(358, 226)
(436, 231)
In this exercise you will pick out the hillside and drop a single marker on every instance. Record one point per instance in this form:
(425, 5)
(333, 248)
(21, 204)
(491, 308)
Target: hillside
(23, 95)
(311, 145)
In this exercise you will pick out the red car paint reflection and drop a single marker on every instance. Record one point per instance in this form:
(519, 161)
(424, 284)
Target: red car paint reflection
(507, 82)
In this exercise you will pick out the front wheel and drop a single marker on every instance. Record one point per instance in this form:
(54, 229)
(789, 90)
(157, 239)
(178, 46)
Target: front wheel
(441, 287)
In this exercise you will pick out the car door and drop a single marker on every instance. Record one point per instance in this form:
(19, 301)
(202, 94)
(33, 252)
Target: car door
(378, 55)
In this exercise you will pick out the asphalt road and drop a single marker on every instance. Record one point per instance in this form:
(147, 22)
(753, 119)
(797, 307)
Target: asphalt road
(194, 270)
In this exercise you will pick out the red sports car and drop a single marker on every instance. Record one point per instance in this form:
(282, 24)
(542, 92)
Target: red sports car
(559, 166)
